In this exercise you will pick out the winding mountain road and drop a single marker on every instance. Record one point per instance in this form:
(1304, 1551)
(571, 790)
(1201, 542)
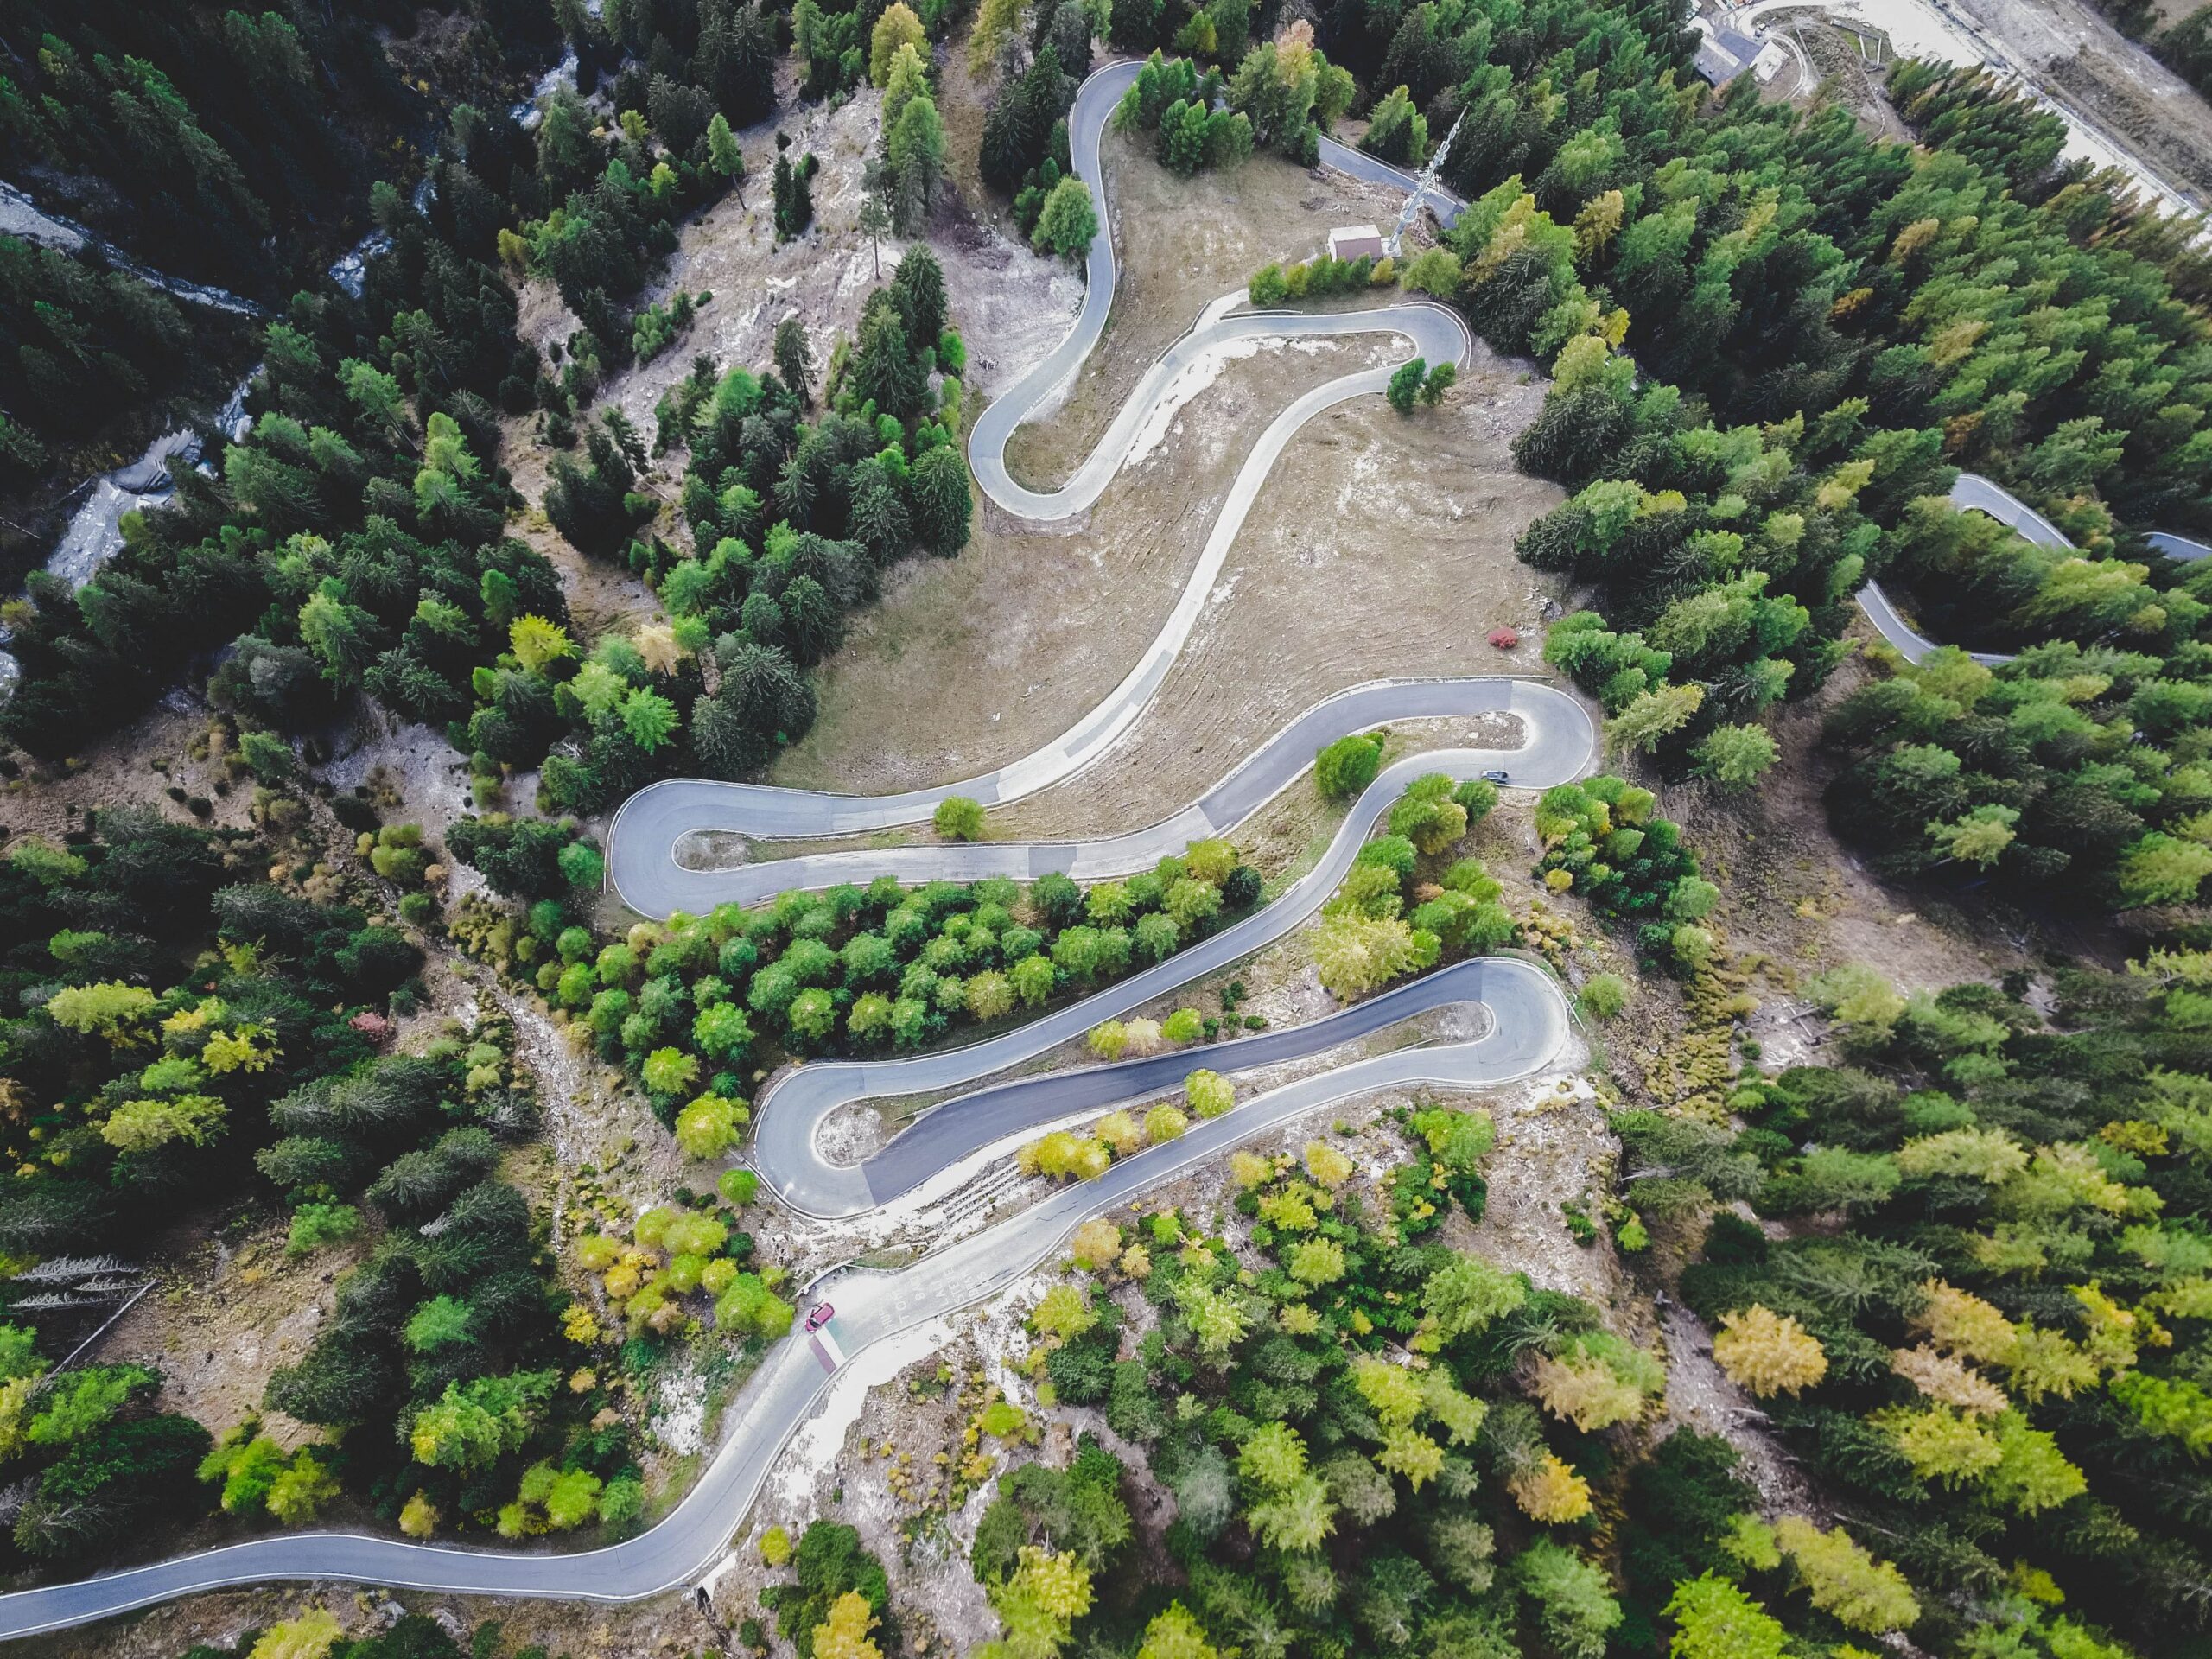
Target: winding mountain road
(1528, 1024)
(659, 864)
(791, 1113)
(1524, 1016)
(642, 841)
(1972, 493)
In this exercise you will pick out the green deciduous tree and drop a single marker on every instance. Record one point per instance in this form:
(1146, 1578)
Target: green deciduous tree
(1735, 757)
(1405, 385)
(1067, 224)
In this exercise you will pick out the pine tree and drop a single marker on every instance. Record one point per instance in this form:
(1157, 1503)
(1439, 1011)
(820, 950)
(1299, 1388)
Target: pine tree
(914, 153)
(725, 155)
(794, 354)
(942, 504)
(1405, 385)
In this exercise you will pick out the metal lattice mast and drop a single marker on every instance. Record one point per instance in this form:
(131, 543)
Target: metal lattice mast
(1421, 188)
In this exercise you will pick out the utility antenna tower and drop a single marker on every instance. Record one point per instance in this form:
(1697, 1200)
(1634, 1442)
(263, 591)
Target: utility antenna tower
(1422, 186)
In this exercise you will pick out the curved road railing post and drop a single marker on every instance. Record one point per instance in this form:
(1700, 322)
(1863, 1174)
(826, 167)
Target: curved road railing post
(1528, 1026)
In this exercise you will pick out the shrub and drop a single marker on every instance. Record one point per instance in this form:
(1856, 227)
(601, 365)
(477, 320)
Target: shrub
(314, 1225)
(738, 1187)
(1604, 997)
(958, 819)
(1348, 765)
(1208, 1094)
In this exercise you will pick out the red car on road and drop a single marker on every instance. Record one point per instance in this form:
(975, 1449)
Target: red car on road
(821, 1316)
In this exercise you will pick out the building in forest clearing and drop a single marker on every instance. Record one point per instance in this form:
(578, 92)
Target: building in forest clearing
(1355, 242)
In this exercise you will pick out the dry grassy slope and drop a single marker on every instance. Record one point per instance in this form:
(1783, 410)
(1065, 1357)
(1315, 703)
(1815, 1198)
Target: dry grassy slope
(1383, 545)
(1183, 242)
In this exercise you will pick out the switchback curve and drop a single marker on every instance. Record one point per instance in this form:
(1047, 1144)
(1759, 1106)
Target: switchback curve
(1528, 1026)
(641, 841)
(1971, 493)
(792, 1109)
(1558, 740)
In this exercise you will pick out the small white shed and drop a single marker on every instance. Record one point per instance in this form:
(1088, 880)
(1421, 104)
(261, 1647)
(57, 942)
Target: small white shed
(1355, 242)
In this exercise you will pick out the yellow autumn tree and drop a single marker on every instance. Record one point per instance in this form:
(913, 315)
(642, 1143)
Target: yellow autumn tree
(1962, 1322)
(1096, 1242)
(844, 1634)
(1767, 1353)
(1249, 1169)
(1119, 1132)
(1063, 1313)
(1584, 1391)
(1326, 1165)
(310, 1636)
(1844, 1579)
(1947, 1378)
(1040, 1603)
(1176, 1634)
(1550, 1491)
(1163, 1123)
(898, 27)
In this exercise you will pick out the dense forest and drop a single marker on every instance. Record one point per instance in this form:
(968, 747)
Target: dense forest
(188, 1024)
(209, 145)
(225, 146)
(1772, 343)
(1962, 1269)
(1998, 1366)
(376, 424)
(353, 543)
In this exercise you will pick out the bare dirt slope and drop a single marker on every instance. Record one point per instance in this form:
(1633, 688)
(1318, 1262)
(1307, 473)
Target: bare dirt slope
(136, 766)
(966, 663)
(1796, 901)
(1846, 75)
(2112, 78)
(1183, 242)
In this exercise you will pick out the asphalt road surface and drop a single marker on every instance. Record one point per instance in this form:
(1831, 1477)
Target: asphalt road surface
(789, 1114)
(659, 864)
(1525, 1021)
(642, 841)
(1976, 493)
